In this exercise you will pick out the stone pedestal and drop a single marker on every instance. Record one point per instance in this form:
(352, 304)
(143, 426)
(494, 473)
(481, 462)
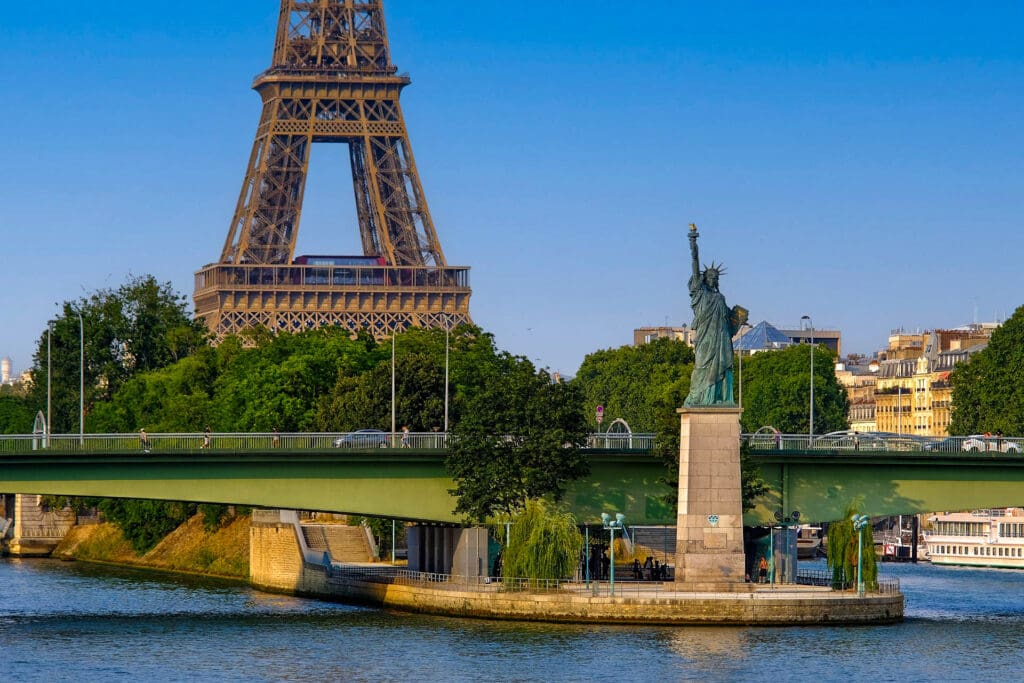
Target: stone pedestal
(709, 528)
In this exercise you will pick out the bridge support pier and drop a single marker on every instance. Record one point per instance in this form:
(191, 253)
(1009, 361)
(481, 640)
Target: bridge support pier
(709, 528)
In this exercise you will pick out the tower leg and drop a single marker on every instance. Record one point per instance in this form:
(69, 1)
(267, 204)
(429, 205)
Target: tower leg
(709, 529)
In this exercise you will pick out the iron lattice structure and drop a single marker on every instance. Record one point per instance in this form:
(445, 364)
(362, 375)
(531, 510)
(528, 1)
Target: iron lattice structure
(332, 80)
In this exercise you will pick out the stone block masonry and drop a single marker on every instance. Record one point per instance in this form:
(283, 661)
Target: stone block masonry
(709, 528)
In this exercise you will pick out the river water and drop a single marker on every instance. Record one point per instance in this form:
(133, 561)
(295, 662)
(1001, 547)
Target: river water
(73, 621)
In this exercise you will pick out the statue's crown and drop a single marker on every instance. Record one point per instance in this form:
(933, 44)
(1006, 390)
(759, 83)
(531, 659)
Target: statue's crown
(716, 268)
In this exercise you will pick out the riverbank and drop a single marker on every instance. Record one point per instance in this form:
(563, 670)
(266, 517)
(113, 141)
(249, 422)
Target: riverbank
(189, 549)
(273, 557)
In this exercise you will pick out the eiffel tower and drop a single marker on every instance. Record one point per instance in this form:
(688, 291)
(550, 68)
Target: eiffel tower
(332, 80)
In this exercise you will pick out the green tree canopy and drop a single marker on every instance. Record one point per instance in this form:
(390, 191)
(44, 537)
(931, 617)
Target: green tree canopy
(988, 389)
(519, 437)
(16, 414)
(141, 326)
(279, 383)
(776, 391)
(637, 383)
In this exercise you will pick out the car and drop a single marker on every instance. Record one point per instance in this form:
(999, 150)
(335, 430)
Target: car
(950, 444)
(362, 438)
(985, 442)
(849, 439)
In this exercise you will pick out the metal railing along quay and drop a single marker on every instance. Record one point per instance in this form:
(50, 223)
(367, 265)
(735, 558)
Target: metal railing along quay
(624, 587)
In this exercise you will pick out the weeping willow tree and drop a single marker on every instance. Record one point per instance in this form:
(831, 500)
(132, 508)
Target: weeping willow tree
(842, 552)
(544, 543)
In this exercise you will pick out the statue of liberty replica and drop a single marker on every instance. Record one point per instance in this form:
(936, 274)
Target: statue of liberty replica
(709, 520)
(714, 325)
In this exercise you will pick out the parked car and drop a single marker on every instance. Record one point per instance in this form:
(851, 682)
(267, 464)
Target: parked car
(982, 442)
(950, 444)
(362, 438)
(849, 439)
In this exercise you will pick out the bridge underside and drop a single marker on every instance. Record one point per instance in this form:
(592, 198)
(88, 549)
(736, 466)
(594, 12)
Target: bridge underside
(821, 487)
(405, 484)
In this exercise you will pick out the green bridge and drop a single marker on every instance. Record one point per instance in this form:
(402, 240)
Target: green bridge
(280, 471)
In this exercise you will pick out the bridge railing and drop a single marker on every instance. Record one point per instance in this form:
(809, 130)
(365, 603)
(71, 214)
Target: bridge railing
(840, 442)
(263, 441)
(876, 442)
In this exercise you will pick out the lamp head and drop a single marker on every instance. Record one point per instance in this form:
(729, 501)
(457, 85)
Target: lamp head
(605, 517)
(619, 517)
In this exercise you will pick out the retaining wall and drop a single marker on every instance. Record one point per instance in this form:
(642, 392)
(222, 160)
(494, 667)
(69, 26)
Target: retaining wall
(280, 563)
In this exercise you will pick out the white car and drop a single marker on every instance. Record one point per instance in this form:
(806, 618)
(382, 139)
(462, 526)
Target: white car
(977, 443)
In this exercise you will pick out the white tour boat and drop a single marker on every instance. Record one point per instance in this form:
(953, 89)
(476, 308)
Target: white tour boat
(808, 542)
(983, 538)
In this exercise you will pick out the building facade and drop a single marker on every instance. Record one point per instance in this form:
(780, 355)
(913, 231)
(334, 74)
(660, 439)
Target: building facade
(913, 394)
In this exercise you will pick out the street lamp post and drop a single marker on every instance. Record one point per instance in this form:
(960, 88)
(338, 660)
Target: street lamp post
(447, 331)
(859, 522)
(586, 553)
(611, 525)
(81, 380)
(784, 523)
(741, 377)
(49, 374)
(810, 326)
(393, 427)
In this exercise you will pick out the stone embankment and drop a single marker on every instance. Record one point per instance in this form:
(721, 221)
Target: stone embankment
(282, 561)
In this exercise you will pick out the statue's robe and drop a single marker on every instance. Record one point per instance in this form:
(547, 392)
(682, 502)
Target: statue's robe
(711, 382)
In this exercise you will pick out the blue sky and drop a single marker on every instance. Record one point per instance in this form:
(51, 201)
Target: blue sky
(858, 163)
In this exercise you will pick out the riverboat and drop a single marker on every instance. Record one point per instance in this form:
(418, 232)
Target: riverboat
(983, 538)
(808, 542)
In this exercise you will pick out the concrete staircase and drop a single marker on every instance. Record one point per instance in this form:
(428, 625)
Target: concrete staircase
(344, 543)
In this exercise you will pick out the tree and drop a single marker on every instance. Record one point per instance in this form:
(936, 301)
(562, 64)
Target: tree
(280, 383)
(646, 385)
(178, 398)
(16, 414)
(141, 326)
(843, 549)
(519, 437)
(365, 400)
(776, 391)
(544, 543)
(988, 389)
(640, 384)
